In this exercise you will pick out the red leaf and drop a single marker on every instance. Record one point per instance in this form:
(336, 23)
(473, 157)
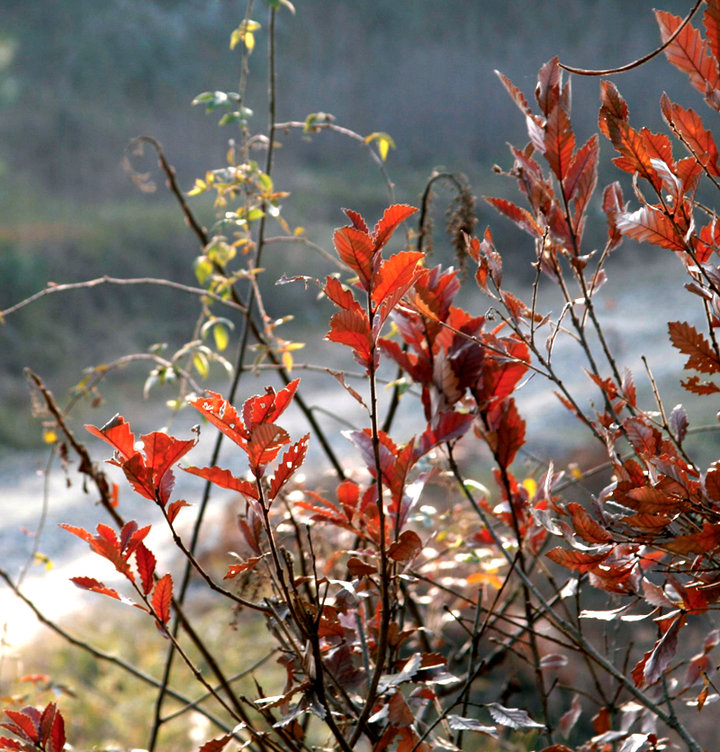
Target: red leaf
(509, 429)
(117, 433)
(389, 222)
(394, 278)
(517, 96)
(57, 734)
(174, 508)
(711, 20)
(690, 342)
(223, 416)
(291, 460)
(341, 296)
(654, 663)
(688, 52)
(689, 127)
(357, 221)
(89, 583)
(650, 225)
(352, 329)
(695, 385)
(613, 205)
(355, 248)
(162, 452)
(162, 597)
(581, 176)
(586, 527)
(448, 426)
(235, 569)
(145, 560)
(27, 724)
(547, 91)
(79, 531)
(225, 479)
(407, 546)
(614, 110)
(559, 141)
(358, 568)
(696, 543)
(580, 561)
(266, 440)
(521, 217)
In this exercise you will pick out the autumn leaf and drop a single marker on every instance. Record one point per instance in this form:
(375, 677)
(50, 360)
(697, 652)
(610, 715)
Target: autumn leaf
(117, 433)
(392, 217)
(521, 217)
(580, 561)
(690, 342)
(146, 562)
(650, 225)
(688, 52)
(225, 479)
(514, 718)
(162, 597)
(406, 547)
(291, 460)
(89, 583)
(355, 248)
(559, 141)
(689, 127)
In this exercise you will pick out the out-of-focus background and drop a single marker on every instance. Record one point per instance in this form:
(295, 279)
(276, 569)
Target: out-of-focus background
(79, 79)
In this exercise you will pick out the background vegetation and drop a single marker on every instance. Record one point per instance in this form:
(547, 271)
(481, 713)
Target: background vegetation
(80, 79)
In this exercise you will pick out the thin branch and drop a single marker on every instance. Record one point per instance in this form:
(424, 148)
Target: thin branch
(641, 60)
(106, 280)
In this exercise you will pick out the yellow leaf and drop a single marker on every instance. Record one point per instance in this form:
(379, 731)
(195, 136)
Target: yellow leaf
(50, 436)
(384, 143)
(530, 486)
(575, 471)
(220, 335)
(287, 360)
(485, 578)
(42, 559)
(201, 364)
(244, 33)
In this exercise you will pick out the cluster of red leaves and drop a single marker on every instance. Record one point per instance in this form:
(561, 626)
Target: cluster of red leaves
(652, 537)
(42, 730)
(654, 534)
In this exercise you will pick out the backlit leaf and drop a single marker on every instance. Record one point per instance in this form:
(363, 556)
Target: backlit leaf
(460, 723)
(689, 341)
(688, 52)
(291, 460)
(407, 546)
(580, 561)
(649, 225)
(162, 597)
(392, 217)
(225, 479)
(514, 718)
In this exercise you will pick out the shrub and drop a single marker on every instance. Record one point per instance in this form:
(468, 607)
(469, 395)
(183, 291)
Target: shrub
(409, 598)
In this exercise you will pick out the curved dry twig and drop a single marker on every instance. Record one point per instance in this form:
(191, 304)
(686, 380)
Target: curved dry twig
(641, 60)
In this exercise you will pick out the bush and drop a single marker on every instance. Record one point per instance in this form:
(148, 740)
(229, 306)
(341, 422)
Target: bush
(412, 595)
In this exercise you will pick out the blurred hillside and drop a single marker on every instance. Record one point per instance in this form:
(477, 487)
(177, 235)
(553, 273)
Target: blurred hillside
(79, 79)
